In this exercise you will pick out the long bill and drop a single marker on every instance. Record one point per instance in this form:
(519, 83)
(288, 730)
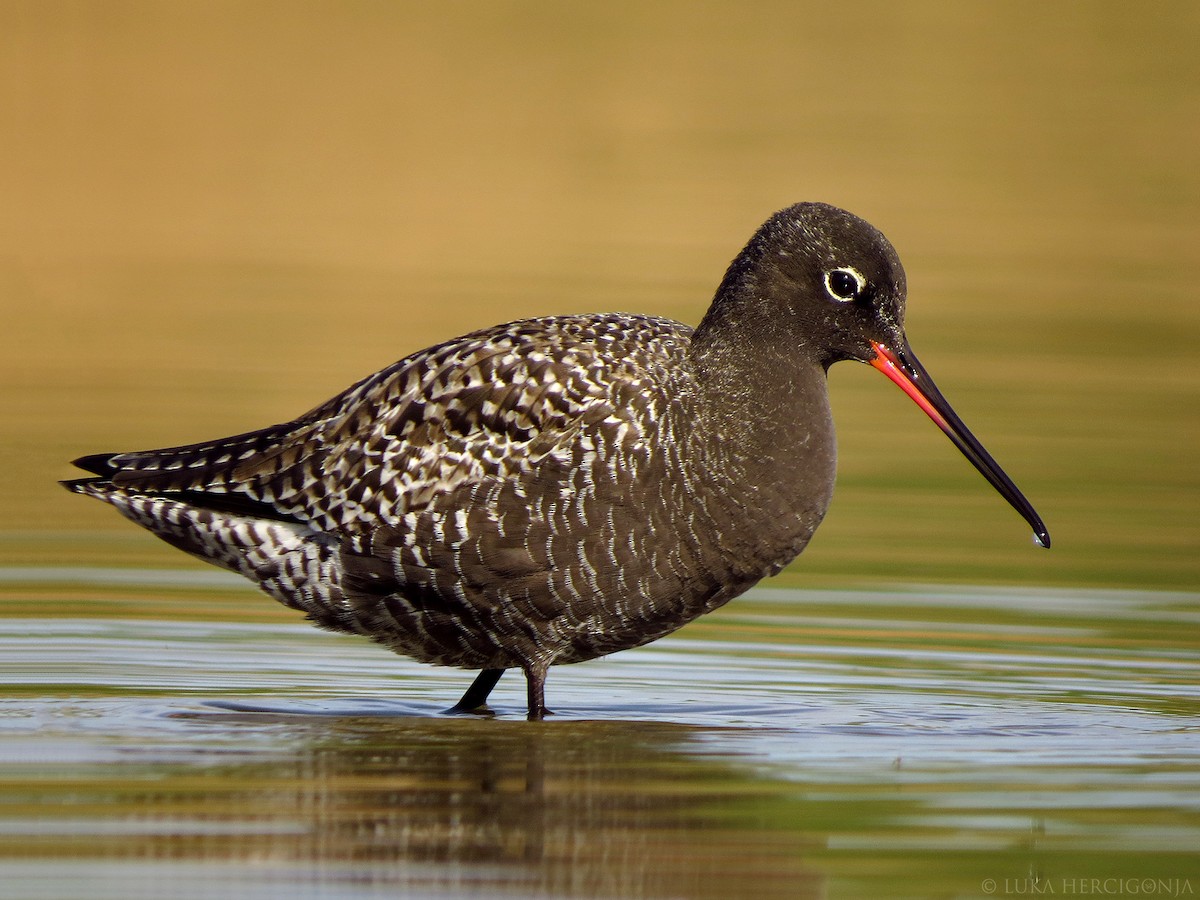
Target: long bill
(903, 367)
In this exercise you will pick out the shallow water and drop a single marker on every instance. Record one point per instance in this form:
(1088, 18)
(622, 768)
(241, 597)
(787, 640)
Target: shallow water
(901, 743)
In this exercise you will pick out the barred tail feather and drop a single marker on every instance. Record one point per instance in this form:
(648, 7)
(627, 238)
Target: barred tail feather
(298, 566)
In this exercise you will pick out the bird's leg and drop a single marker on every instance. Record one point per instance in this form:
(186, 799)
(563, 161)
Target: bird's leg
(535, 683)
(477, 694)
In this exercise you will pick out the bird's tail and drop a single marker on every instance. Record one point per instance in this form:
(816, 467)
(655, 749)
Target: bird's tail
(290, 560)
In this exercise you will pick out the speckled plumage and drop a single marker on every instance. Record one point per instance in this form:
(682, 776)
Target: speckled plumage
(546, 491)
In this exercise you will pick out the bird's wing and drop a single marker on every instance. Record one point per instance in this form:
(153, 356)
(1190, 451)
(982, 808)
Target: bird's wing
(483, 406)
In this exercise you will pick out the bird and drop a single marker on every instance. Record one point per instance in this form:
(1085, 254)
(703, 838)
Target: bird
(557, 489)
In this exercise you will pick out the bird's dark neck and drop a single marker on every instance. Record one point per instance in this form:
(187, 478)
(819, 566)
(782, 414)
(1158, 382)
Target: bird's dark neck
(763, 412)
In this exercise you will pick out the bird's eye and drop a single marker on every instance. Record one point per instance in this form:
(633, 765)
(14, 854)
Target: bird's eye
(845, 284)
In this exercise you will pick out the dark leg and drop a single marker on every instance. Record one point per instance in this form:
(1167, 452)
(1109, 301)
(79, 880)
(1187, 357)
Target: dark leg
(535, 682)
(477, 694)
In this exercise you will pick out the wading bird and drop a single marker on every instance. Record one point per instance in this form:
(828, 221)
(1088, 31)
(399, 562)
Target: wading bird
(556, 489)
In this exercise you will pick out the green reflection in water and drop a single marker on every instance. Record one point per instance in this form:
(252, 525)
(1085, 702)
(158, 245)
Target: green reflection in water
(797, 744)
(571, 808)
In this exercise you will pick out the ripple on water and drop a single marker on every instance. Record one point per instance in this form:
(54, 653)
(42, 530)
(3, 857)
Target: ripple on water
(895, 733)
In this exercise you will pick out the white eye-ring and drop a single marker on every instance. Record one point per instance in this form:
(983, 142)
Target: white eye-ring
(845, 284)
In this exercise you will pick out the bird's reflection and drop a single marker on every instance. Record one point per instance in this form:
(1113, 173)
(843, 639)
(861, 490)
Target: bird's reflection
(569, 808)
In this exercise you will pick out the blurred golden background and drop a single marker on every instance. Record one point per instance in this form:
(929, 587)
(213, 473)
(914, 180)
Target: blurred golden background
(214, 215)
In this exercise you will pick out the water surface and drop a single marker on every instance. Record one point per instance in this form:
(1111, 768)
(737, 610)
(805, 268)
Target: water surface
(824, 744)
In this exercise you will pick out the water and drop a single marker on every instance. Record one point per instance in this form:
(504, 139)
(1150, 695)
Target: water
(887, 743)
